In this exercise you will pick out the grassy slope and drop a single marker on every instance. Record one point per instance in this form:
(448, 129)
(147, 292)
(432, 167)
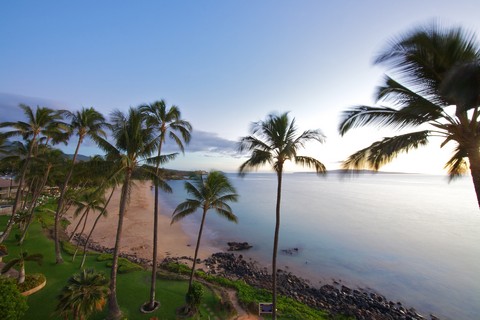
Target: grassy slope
(133, 288)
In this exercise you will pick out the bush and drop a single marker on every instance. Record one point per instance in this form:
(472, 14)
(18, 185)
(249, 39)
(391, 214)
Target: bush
(125, 266)
(12, 304)
(31, 281)
(194, 296)
(104, 257)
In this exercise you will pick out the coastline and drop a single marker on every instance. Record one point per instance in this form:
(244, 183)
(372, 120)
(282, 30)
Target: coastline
(137, 238)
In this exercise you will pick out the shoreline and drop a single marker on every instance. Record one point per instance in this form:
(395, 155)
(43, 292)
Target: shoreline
(137, 238)
(177, 242)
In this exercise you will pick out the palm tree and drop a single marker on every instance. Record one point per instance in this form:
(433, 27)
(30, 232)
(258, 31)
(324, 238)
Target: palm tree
(87, 122)
(273, 142)
(211, 192)
(421, 60)
(20, 261)
(90, 202)
(84, 293)
(41, 122)
(167, 122)
(47, 159)
(133, 142)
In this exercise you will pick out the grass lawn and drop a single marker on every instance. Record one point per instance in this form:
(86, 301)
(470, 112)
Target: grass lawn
(132, 288)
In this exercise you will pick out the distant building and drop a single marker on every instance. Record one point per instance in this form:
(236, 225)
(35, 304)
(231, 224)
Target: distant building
(8, 188)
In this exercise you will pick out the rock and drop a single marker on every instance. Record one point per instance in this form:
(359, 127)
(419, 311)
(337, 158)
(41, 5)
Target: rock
(238, 246)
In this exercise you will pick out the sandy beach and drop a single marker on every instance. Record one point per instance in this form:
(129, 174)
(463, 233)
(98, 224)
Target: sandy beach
(138, 228)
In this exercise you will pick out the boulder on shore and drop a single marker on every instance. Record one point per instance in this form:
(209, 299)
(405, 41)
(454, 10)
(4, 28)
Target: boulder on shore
(238, 246)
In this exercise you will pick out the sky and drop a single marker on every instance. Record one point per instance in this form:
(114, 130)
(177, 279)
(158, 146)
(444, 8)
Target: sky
(225, 64)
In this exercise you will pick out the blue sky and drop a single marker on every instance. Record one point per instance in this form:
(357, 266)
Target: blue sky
(224, 63)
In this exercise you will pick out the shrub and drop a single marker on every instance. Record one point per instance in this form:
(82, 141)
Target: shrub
(125, 266)
(31, 281)
(194, 296)
(12, 304)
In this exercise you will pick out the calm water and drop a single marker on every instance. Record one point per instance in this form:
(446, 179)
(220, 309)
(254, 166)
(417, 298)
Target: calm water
(413, 238)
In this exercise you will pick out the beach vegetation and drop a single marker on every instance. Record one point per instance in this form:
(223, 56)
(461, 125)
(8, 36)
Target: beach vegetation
(167, 122)
(85, 293)
(132, 286)
(12, 304)
(20, 262)
(273, 142)
(84, 123)
(132, 143)
(211, 192)
(430, 69)
(42, 124)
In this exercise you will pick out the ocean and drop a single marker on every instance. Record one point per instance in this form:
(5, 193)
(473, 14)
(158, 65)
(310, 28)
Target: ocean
(413, 238)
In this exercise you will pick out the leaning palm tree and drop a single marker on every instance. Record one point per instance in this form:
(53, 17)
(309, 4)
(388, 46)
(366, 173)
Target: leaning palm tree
(167, 122)
(420, 62)
(40, 122)
(85, 293)
(87, 122)
(210, 192)
(132, 143)
(20, 261)
(47, 159)
(273, 142)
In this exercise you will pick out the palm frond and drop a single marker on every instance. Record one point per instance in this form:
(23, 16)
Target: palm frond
(382, 152)
(457, 165)
(310, 162)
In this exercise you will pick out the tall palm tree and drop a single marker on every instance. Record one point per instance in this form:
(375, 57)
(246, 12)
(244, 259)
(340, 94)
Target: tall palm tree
(420, 61)
(167, 122)
(84, 293)
(91, 201)
(47, 159)
(20, 261)
(211, 192)
(40, 122)
(86, 122)
(273, 142)
(133, 142)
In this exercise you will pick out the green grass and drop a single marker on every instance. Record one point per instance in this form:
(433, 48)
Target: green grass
(132, 289)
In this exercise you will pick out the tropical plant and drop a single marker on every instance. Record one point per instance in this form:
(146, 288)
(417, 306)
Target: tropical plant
(133, 142)
(40, 123)
(12, 304)
(20, 261)
(85, 123)
(423, 63)
(273, 142)
(45, 161)
(90, 202)
(211, 192)
(167, 122)
(85, 293)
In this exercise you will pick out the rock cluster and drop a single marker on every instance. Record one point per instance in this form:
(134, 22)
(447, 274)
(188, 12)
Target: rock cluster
(238, 246)
(335, 298)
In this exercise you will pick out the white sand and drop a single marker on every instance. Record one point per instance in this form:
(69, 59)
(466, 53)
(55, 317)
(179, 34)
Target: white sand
(137, 237)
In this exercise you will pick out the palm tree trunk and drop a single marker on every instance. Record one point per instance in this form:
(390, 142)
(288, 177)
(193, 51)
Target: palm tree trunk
(114, 311)
(275, 244)
(196, 250)
(58, 252)
(78, 224)
(9, 227)
(93, 228)
(155, 250)
(81, 232)
(474, 159)
(155, 234)
(21, 273)
(34, 203)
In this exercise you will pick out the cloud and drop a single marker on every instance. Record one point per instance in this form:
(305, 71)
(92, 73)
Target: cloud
(209, 143)
(9, 103)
